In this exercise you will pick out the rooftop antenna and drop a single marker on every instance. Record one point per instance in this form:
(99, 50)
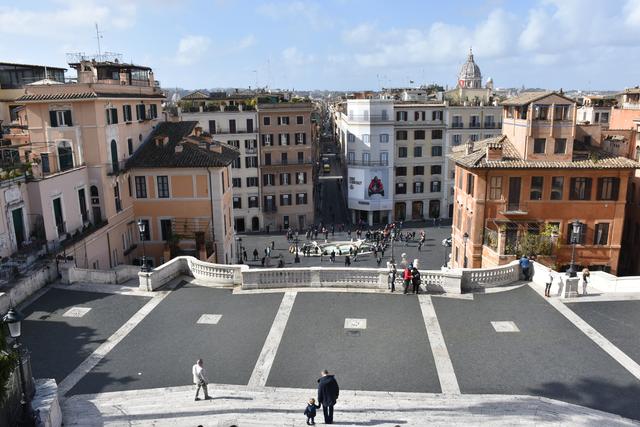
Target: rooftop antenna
(98, 37)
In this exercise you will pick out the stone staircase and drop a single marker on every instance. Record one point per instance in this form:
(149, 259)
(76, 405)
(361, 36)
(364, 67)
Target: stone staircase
(268, 406)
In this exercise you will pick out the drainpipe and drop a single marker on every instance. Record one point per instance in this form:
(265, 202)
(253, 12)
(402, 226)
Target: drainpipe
(213, 235)
(484, 213)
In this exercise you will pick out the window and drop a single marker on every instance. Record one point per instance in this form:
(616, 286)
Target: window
(418, 170)
(418, 187)
(401, 135)
(436, 115)
(285, 200)
(141, 113)
(539, 145)
(126, 113)
(141, 187)
(300, 157)
(456, 139)
(402, 151)
(267, 139)
(365, 139)
(471, 179)
(474, 122)
(130, 145)
(560, 146)
(601, 234)
(163, 187)
(436, 134)
(44, 158)
(146, 236)
(417, 151)
(236, 164)
(250, 144)
(457, 122)
(557, 184)
(283, 139)
(436, 170)
(301, 138)
(604, 117)
(540, 112)
(418, 134)
(266, 120)
(536, 188)
(580, 189)
(65, 156)
(435, 186)
(402, 116)
(299, 120)
(236, 182)
(419, 115)
(237, 202)
(253, 202)
(474, 137)
(112, 116)
(495, 188)
(351, 137)
(561, 112)
(608, 188)
(252, 181)
(116, 196)
(285, 178)
(268, 179)
(436, 151)
(251, 161)
(351, 157)
(60, 118)
(365, 158)
(384, 158)
(165, 229)
(401, 188)
(384, 137)
(153, 111)
(283, 120)
(301, 178)
(267, 159)
(401, 171)
(232, 126)
(301, 199)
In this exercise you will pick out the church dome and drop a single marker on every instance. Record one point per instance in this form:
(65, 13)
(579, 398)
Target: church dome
(470, 76)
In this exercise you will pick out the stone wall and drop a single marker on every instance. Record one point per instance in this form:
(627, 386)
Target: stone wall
(27, 286)
(117, 275)
(480, 278)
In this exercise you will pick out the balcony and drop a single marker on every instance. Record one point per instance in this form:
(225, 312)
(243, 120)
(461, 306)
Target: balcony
(251, 150)
(116, 168)
(492, 125)
(369, 163)
(368, 118)
(52, 169)
(227, 131)
(513, 208)
(474, 125)
(457, 125)
(294, 162)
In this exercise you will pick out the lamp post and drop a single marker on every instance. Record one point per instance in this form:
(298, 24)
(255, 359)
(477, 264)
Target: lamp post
(13, 319)
(576, 227)
(239, 249)
(446, 243)
(465, 238)
(296, 241)
(393, 238)
(142, 227)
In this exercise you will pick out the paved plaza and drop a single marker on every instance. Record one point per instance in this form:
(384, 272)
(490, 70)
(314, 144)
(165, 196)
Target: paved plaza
(124, 357)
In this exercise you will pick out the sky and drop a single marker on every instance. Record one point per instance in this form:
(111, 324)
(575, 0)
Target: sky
(339, 44)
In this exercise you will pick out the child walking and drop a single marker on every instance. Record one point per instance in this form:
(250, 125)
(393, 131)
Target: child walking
(310, 412)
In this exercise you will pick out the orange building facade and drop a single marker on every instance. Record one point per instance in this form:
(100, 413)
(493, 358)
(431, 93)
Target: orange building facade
(520, 192)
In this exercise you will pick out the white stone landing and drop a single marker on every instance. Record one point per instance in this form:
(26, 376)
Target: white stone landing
(505, 326)
(267, 406)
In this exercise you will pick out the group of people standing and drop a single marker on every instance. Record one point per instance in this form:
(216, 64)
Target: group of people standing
(411, 279)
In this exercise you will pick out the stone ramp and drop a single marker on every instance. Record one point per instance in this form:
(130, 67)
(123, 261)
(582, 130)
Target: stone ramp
(268, 406)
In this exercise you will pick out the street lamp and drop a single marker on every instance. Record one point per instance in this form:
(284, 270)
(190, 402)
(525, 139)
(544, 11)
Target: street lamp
(446, 243)
(13, 319)
(393, 238)
(296, 241)
(142, 228)
(465, 238)
(576, 227)
(239, 249)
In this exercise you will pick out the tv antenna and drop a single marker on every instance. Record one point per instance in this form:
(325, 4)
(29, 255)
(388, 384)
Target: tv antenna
(98, 37)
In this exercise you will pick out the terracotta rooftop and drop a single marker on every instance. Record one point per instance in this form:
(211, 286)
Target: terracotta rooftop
(583, 158)
(193, 155)
(528, 97)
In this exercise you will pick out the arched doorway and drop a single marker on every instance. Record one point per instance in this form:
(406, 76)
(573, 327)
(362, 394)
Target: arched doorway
(400, 213)
(434, 208)
(65, 156)
(114, 156)
(416, 210)
(255, 224)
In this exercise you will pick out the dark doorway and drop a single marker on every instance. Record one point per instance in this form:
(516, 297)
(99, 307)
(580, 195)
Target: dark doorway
(18, 226)
(82, 200)
(114, 156)
(255, 224)
(239, 226)
(514, 193)
(57, 214)
(434, 208)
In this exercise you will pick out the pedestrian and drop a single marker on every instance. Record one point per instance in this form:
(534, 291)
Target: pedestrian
(347, 261)
(585, 279)
(273, 245)
(244, 255)
(406, 277)
(525, 265)
(199, 379)
(263, 260)
(281, 263)
(328, 392)
(392, 276)
(332, 257)
(255, 254)
(415, 278)
(310, 411)
(547, 288)
(379, 259)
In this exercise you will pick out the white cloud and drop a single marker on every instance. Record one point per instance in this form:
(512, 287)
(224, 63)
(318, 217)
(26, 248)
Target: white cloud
(632, 13)
(191, 49)
(293, 57)
(360, 34)
(246, 41)
(298, 12)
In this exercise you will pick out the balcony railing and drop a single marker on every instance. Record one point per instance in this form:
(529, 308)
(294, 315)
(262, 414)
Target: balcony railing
(61, 228)
(223, 131)
(368, 118)
(474, 125)
(292, 162)
(514, 208)
(368, 162)
(457, 125)
(82, 232)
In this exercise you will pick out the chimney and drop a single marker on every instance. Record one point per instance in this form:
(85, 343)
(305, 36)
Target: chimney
(469, 147)
(161, 140)
(179, 148)
(494, 151)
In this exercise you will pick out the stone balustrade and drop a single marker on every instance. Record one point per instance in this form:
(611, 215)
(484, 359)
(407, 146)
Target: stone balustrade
(480, 278)
(116, 275)
(207, 273)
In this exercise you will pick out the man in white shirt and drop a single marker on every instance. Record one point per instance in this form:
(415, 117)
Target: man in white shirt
(199, 379)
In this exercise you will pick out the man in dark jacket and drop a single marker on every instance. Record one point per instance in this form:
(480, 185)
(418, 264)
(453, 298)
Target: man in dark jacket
(328, 392)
